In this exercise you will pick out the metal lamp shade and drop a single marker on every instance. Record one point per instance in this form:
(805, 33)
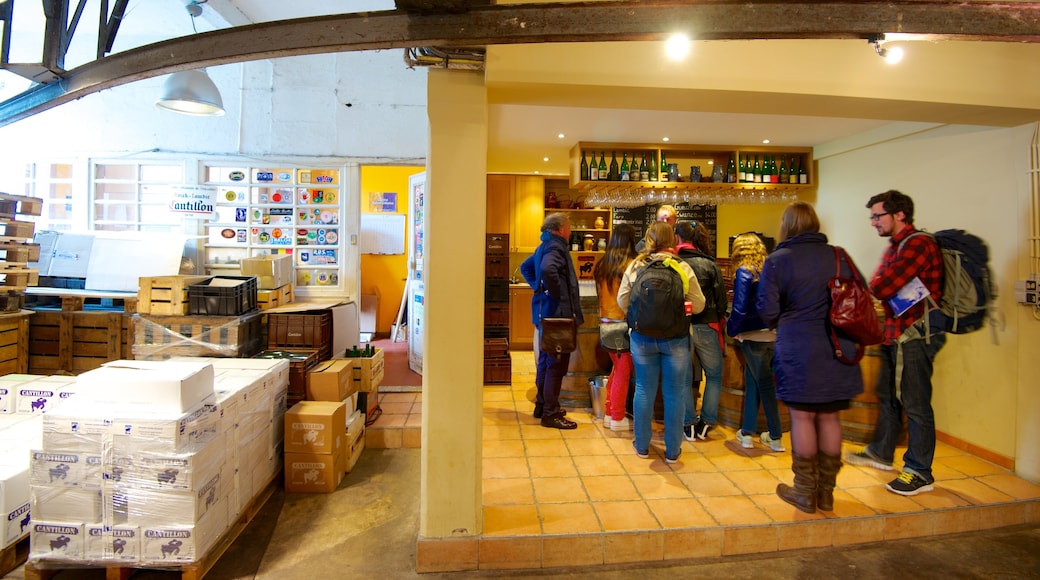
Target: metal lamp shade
(191, 92)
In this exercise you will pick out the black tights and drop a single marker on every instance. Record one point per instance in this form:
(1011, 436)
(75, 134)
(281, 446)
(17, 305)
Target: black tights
(815, 432)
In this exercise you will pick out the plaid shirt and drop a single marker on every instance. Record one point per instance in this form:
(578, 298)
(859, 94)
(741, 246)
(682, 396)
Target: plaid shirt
(919, 257)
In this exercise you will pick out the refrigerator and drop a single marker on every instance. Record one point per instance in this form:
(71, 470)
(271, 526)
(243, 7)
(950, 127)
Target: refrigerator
(414, 288)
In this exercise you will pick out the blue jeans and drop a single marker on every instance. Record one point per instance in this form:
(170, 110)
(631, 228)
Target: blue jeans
(916, 402)
(667, 360)
(759, 385)
(709, 353)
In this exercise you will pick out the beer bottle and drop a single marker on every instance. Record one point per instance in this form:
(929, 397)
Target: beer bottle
(584, 167)
(614, 176)
(652, 168)
(602, 175)
(785, 176)
(644, 171)
(624, 166)
(731, 171)
(663, 175)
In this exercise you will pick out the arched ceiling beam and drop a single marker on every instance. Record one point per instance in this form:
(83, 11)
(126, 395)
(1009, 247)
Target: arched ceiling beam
(540, 23)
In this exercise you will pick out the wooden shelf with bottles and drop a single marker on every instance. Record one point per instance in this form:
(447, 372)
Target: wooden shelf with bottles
(583, 219)
(706, 157)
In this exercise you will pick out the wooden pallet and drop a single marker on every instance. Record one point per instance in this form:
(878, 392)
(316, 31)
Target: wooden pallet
(47, 569)
(165, 295)
(20, 251)
(74, 342)
(16, 229)
(12, 205)
(14, 555)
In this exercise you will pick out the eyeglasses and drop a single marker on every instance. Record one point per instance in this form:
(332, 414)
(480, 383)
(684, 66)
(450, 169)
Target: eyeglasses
(877, 216)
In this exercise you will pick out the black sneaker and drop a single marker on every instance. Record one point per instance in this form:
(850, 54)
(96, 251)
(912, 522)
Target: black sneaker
(687, 432)
(700, 430)
(909, 483)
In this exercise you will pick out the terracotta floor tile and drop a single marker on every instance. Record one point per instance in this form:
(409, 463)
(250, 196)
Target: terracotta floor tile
(546, 448)
(731, 462)
(611, 488)
(496, 394)
(661, 486)
(559, 490)
(941, 472)
(416, 408)
(680, 544)
(782, 512)
(390, 421)
(620, 442)
(499, 418)
(971, 465)
(401, 408)
(858, 531)
(645, 546)
(397, 398)
(511, 520)
(411, 437)
(573, 551)
(505, 467)
(452, 555)
(852, 476)
(598, 465)
(693, 463)
(585, 430)
(752, 482)
(885, 502)
(509, 553)
(552, 466)
(592, 446)
(516, 490)
(805, 535)
(503, 448)
(750, 540)
(847, 506)
(625, 515)
(975, 492)
(569, 518)
(942, 497)
(496, 432)
(536, 431)
(1012, 485)
(710, 484)
(774, 461)
(680, 513)
(413, 420)
(734, 511)
(905, 526)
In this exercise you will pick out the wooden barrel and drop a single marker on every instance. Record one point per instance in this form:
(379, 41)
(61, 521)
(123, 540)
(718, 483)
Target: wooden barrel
(731, 400)
(858, 421)
(585, 362)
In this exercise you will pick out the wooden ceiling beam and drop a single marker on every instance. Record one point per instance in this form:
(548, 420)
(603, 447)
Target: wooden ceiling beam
(540, 23)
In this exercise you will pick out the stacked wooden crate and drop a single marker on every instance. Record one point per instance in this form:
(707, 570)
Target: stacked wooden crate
(17, 244)
(497, 364)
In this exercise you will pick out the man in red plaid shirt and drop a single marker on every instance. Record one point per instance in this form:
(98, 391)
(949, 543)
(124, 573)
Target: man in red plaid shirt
(906, 352)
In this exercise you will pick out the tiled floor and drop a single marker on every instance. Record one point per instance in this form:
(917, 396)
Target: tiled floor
(399, 422)
(582, 497)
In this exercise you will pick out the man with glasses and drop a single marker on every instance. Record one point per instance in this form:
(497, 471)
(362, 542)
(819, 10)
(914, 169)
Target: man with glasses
(904, 383)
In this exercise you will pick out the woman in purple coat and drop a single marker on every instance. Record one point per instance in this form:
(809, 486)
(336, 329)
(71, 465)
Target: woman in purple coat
(794, 299)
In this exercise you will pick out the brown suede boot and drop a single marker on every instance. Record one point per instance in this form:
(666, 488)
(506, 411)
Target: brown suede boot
(829, 467)
(803, 494)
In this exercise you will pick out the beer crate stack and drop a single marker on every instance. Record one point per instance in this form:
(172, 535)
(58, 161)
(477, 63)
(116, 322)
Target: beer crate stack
(202, 316)
(497, 364)
(273, 279)
(155, 463)
(16, 242)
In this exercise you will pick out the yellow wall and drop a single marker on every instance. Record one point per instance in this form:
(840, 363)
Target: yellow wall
(384, 275)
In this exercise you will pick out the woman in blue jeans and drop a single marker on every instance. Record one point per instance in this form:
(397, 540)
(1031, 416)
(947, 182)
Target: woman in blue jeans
(756, 342)
(667, 358)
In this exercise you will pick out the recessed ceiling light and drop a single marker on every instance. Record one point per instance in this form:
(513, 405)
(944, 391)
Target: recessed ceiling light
(677, 47)
(560, 136)
(546, 159)
(765, 141)
(666, 139)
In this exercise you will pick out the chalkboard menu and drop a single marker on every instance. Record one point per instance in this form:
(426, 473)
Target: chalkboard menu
(641, 217)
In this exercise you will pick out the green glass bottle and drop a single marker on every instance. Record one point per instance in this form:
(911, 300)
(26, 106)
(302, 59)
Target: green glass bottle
(803, 176)
(603, 175)
(624, 166)
(663, 175)
(652, 168)
(644, 171)
(731, 171)
(584, 168)
(614, 176)
(757, 171)
(785, 175)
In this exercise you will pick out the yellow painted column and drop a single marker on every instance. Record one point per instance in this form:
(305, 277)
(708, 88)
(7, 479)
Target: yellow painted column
(453, 372)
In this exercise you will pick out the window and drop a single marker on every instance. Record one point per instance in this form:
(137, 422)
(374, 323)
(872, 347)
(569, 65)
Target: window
(130, 196)
(50, 182)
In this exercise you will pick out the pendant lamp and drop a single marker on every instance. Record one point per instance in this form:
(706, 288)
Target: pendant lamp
(191, 92)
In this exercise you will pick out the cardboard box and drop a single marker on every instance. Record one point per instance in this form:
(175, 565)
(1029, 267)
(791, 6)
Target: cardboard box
(315, 427)
(14, 502)
(184, 544)
(70, 504)
(116, 543)
(314, 472)
(156, 385)
(56, 540)
(271, 271)
(332, 380)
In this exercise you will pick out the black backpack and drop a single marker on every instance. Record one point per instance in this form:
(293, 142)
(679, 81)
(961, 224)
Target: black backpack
(657, 303)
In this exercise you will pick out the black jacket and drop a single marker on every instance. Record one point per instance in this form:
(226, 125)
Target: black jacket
(709, 276)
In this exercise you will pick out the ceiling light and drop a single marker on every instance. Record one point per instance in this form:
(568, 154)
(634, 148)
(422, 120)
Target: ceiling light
(677, 47)
(545, 159)
(891, 55)
(560, 136)
(666, 139)
(191, 92)
(765, 141)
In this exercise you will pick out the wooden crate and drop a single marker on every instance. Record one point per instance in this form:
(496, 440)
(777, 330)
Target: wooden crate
(355, 441)
(498, 371)
(14, 229)
(165, 295)
(14, 555)
(163, 337)
(22, 252)
(368, 373)
(74, 342)
(278, 297)
(11, 205)
(14, 342)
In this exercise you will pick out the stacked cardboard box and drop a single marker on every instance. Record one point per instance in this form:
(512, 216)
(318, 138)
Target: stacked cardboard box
(19, 432)
(316, 446)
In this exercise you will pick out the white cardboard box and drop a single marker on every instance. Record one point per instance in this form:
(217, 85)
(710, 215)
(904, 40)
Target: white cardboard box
(178, 544)
(14, 501)
(156, 508)
(186, 470)
(112, 543)
(55, 540)
(160, 386)
(65, 503)
(69, 468)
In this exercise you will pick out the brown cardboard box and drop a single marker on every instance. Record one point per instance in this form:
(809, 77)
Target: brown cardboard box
(332, 380)
(271, 271)
(315, 427)
(314, 472)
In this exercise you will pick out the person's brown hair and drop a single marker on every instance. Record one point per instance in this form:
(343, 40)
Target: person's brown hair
(620, 251)
(798, 218)
(659, 236)
(748, 252)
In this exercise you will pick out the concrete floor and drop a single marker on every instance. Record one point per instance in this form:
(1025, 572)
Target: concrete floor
(368, 528)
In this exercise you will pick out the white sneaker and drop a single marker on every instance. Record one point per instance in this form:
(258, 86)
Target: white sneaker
(606, 422)
(621, 425)
(746, 441)
(774, 444)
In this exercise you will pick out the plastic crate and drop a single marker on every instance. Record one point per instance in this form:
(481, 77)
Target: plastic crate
(496, 267)
(300, 361)
(496, 314)
(210, 298)
(496, 291)
(497, 244)
(498, 371)
(496, 347)
(311, 330)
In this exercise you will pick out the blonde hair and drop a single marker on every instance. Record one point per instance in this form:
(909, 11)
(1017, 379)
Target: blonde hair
(659, 236)
(798, 218)
(749, 253)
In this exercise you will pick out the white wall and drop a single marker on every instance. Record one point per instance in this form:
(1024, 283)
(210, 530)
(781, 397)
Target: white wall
(975, 179)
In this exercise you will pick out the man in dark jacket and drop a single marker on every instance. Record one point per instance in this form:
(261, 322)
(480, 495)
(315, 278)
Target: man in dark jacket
(550, 273)
(907, 257)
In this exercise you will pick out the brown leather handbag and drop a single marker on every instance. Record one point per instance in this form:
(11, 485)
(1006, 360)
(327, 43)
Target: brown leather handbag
(559, 335)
